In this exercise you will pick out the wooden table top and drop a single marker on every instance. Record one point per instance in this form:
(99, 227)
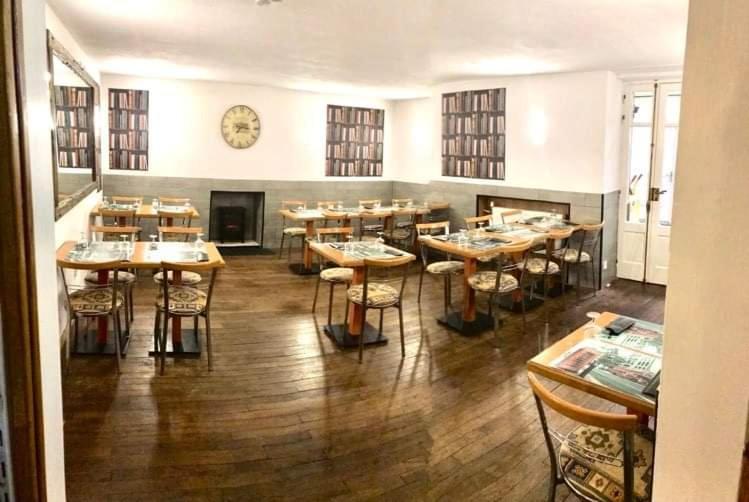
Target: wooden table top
(146, 258)
(341, 259)
(541, 364)
(147, 211)
(384, 211)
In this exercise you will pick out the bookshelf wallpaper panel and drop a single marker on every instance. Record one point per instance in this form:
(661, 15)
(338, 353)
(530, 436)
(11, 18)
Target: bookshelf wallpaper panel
(354, 144)
(473, 134)
(74, 128)
(128, 129)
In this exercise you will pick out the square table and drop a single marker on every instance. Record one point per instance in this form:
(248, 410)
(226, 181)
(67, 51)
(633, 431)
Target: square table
(148, 211)
(140, 256)
(348, 336)
(636, 356)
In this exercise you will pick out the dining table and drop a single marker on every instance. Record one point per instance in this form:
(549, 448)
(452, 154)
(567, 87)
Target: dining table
(622, 368)
(352, 255)
(147, 211)
(308, 218)
(483, 243)
(139, 256)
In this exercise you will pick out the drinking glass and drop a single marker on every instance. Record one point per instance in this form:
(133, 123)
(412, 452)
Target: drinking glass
(188, 205)
(154, 245)
(104, 201)
(481, 227)
(380, 242)
(82, 241)
(463, 237)
(299, 209)
(377, 205)
(348, 247)
(155, 204)
(125, 244)
(340, 204)
(199, 242)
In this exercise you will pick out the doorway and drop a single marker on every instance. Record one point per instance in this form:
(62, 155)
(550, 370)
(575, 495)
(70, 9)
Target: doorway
(651, 132)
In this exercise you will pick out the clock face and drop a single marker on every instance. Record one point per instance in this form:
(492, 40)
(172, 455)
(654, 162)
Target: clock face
(240, 126)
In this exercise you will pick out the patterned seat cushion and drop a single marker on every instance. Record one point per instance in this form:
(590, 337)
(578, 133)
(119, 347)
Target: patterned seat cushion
(122, 277)
(398, 234)
(184, 300)
(600, 477)
(188, 278)
(487, 281)
(337, 274)
(93, 301)
(374, 228)
(538, 266)
(445, 267)
(570, 255)
(293, 231)
(378, 294)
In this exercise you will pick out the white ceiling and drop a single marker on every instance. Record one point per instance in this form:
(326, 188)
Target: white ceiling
(387, 48)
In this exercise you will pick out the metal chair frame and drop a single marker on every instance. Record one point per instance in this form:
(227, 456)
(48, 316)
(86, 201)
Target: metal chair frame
(337, 232)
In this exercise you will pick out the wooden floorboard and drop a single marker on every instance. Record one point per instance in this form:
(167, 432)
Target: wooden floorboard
(286, 415)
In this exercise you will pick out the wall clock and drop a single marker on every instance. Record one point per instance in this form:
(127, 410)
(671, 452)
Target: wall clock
(240, 126)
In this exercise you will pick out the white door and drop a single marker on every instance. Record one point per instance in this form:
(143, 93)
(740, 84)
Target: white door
(651, 134)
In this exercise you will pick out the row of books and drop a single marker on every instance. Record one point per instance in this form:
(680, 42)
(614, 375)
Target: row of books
(474, 168)
(133, 140)
(471, 146)
(74, 158)
(70, 137)
(128, 99)
(126, 160)
(357, 133)
(349, 115)
(337, 167)
(72, 118)
(72, 96)
(353, 151)
(474, 101)
(478, 123)
(123, 119)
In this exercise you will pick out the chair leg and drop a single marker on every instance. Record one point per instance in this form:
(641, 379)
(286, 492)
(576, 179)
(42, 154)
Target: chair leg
(361, 333)
(317, 289)
(593, 273)
(195, 326)
(403, 336)
(382, 316)
(117, 340)
(522, 306)
(127, 315)
(132, 304)
(577, 279)
(280, 248)
(288, 249)
(345, 317)
(209, 346)
(330, 304)
(164, 332)
(421, 281)
(157, 333)
(446, 297)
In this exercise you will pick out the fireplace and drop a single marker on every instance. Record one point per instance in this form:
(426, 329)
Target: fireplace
(236, 218)
(484, 205)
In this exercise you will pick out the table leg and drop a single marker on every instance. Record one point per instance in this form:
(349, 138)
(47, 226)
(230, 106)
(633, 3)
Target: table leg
(176, 321)
(468, 322)
(309, 226)
(102, 331)
(356, 311)
(469, 294)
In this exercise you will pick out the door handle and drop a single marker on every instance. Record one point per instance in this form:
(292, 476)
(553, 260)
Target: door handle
(655, 194)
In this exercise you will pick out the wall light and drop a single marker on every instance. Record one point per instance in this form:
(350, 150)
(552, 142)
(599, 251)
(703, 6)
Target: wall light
(537, 126)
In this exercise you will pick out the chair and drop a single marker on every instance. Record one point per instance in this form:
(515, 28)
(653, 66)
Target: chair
(445, 268)
(124, 199)
(291, 232)
(368, 231)
(95, 301)
(379, 294)
(510, 216)
(401, 233)
(503, 281)
(188, 278)
(173, 201)
(117, 217)
(333, 275)
(328, 204)
(473, 222)
(127, 278)
(402, 202)
(581, 251)
(603, 459)
(546, 265)
(183, 301)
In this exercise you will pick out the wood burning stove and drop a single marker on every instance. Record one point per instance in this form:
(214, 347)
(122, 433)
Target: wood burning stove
(230, 223)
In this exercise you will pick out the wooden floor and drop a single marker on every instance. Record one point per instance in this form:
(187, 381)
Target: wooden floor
(287, 415)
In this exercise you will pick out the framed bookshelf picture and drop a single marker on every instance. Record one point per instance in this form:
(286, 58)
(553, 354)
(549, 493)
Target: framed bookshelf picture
(128, 129)
(473, 134)
(74, 120)
(354, 141)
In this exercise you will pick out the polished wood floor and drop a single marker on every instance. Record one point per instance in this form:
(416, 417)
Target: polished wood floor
(287, 415)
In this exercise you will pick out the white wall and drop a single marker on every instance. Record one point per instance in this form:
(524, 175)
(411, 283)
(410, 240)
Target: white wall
(560, 132)
(37, 96)
(702, 413)
(185, 132)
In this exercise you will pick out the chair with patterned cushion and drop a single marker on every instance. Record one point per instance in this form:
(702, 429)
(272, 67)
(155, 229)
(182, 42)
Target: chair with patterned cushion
(95, 300)
(292, 232)
(604, 459)
(183, 301)
(445, 268)
(127, 278)
(117, 217)
(544, 263)
(401, 232)
(384, 292)
(175, 234)
(581, 252)
(402, 202)
(506, 280)
(333, 275)
(473, 222)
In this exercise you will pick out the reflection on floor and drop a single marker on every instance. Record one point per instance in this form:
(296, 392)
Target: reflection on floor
(286, 415)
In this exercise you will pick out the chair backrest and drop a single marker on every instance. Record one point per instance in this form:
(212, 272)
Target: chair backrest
(185, 232)
(402, 202)
(113, 265)
(369, 203)
(337, 232)
(589, 237)
(293, 204)
(167, 267)
(389, 265)
(475, 220)
(106, 230)
(184, 216)
(324, 204)
(511, 215)
(125, 199)
(512, 258)
(173, 201)
(627, 424)
(118, 215)
(428, 229)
